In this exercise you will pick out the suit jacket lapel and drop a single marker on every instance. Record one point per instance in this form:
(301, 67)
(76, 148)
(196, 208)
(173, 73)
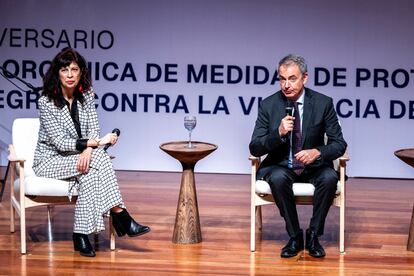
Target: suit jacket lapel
(308, 107)
(67, 120)
(283, 102)
(83, 118)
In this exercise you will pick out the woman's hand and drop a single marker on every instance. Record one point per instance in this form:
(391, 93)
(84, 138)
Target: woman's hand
(84, 160)
(110, 138)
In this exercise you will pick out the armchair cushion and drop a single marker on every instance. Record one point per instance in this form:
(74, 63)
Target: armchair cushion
(41, 186)
(299, 189)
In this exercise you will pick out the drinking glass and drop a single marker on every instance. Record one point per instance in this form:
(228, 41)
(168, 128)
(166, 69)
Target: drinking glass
(190, 123)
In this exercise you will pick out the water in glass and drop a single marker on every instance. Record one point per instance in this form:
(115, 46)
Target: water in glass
(189, 123)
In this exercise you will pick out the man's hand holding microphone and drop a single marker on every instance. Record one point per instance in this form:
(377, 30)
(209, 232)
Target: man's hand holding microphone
(286, 125)
(307, 156)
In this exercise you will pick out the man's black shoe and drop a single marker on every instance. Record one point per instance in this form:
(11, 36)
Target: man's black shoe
(313, 245)
(293, 247)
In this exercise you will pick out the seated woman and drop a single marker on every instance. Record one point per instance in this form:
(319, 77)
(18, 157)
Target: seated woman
(70, 148)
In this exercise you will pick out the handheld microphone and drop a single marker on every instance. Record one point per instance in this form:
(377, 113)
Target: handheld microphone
(289, 112)
(117, 132)
(289, 108)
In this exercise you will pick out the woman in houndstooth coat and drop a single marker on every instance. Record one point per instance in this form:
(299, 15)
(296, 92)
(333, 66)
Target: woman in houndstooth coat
(69, 148)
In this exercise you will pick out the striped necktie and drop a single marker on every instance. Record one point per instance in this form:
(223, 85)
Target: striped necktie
(296, 141)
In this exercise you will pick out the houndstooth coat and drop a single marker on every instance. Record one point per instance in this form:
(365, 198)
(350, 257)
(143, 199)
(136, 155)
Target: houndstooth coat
(56, 157)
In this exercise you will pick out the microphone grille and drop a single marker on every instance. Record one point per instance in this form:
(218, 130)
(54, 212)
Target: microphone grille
(289, 108)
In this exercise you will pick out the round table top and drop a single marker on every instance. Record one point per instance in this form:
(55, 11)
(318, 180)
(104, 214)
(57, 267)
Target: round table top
(406, 155)
(179, 151)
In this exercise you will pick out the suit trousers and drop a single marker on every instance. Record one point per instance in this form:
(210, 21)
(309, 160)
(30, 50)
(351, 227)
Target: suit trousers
(98, 189)
(98, 192)
(281, 179)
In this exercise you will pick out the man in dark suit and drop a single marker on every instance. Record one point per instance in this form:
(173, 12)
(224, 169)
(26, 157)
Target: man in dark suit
(296, 151)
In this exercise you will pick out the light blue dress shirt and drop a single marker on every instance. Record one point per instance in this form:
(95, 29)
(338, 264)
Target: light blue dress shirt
(300, 102)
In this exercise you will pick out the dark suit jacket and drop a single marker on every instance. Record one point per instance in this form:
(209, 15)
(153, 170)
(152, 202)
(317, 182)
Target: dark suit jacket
(319, 117)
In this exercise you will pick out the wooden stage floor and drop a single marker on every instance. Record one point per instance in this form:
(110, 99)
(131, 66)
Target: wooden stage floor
(378, 217)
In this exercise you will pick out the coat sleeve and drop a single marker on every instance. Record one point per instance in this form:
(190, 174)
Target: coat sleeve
(264, 138)
(336, 145)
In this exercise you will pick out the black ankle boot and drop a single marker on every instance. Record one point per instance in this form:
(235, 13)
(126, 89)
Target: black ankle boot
(125, 224)
(81, 243)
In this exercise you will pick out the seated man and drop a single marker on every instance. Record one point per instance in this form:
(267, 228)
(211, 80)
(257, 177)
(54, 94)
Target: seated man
(296, 152)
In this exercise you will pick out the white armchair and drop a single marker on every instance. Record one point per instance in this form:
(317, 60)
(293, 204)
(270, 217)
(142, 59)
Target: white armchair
(262, 195)
(28, 190)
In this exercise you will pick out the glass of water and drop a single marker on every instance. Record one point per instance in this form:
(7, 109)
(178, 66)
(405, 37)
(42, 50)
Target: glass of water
(190, 123)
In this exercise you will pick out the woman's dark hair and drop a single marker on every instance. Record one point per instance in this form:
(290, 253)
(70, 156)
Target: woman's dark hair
(51, 82)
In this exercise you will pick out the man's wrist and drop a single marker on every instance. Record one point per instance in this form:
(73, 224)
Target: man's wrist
(318, 155)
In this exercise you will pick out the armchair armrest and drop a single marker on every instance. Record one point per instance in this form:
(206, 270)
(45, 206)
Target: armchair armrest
(255, 160)
(12, 157)
(16, 162)
(343, 159)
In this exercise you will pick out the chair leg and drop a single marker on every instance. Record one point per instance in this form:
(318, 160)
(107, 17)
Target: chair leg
(342, 229)
(12, 217)
(12, 202)
(4, 181)
(256, 217)
(111, 235)
(259, 216)
(252, 226)
(23, 229)
(49, 222)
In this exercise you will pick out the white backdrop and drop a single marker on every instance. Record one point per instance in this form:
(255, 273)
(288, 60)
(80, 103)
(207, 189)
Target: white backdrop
(154, 51)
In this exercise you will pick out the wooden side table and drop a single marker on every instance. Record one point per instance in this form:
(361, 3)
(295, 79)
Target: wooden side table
(407, 155)
(187, 221)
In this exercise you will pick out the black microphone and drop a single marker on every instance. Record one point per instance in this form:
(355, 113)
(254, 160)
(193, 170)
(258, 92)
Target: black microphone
(289, 108)
(9, 75)
(117, 132)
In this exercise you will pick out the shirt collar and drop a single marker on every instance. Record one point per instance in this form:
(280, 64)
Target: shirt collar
(302, 97)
